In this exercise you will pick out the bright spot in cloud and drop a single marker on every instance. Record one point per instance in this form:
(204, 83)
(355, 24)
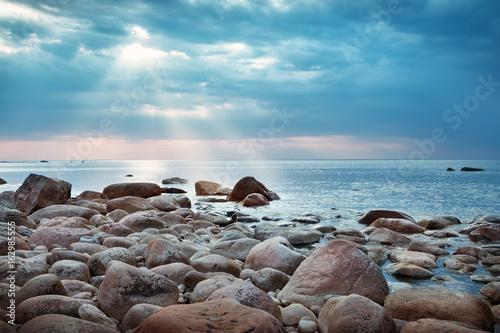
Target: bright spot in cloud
(139, 32)
(135, 53)
(197, 111)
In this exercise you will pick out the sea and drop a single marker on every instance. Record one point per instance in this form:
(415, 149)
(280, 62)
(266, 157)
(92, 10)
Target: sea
(335, 191)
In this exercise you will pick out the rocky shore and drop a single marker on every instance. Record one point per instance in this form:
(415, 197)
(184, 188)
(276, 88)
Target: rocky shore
(140, 258)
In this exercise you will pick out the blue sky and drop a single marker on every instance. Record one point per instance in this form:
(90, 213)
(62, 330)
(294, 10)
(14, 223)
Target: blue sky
(241, 79)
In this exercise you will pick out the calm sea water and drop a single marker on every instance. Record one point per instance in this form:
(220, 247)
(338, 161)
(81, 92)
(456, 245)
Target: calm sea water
(336, 190)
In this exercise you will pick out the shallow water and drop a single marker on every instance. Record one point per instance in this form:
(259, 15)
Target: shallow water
(336, 190)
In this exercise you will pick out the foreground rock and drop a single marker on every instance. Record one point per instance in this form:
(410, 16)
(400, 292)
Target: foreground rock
(255, 199)
(355, 313)
(125, 286)
(13, 215)
(398, 225)
(411, 304)
(63, 234)
(210, 188)
(56, 323)
(63, 211)
(249, 185)
(39, 192)
(345, 269)
(142, 190)
(129, 204)
(223, 315)
(137, 315)
(45, 284)
(373, 215)
(48, 304)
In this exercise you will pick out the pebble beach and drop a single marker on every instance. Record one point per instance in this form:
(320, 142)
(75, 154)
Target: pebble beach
(140, 257)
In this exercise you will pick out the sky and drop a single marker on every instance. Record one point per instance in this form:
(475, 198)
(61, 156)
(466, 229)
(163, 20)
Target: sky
(242, 79)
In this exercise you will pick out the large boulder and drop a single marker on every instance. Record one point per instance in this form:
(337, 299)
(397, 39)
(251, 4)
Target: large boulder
(411, 304)
(142, 190)
(38, 192)
(130, 204)
(249, 185)
(125, 286)
(63, 211)
(222, 315)
(339, 268)
(57, 323)
(249, 295)
(295, 235)
(354, 313)
(438, 222)
(373, 215)
(486, 234)
(210, 188)
(274, 253)
(491, 292)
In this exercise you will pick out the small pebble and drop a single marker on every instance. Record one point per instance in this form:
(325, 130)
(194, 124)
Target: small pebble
(307, 325)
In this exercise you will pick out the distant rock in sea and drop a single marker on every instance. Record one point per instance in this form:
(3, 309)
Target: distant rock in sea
(174, 180)
(44, 161)
(450, 169)
(129, 175)
(472, 169)
(2, 181)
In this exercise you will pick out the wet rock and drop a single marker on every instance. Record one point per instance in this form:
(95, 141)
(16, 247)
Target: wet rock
(495, 269)
(469, 169)
(174, 180)
(491, 292)
(421, 259)
(164, 203)
(355, 313)
(377, 254)
(124, 286)
(293, 313)
(483, 278)
(438, 222)
(137, 189)
(163, 252)
(459, 266)
(472, 251)
(439, 303)
(70, 270)
(373, 215)
(249, 185)
(137, 315)
(346, 269)
(48, 304)
(172, 190)
(269, 279)
(274, 253)
(408, 270)
(235, 249)
(450, 169)
(421, 246)
(465, 258)
(385, 236)
(38, 192)
(495, 260)
(216, 263)
(295, 235)
(2, 182)
(255, 199)
(398, 225)
(45, 284)
(215, 316)
(130, 204)
(99, 261)
(440, 233)
(93, 314)
(56, 323)
(486, 234)
(210, 188)
(249, 295)
(175, 271)
(63, 211)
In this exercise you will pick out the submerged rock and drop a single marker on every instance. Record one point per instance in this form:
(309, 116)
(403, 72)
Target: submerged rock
(472, 169)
